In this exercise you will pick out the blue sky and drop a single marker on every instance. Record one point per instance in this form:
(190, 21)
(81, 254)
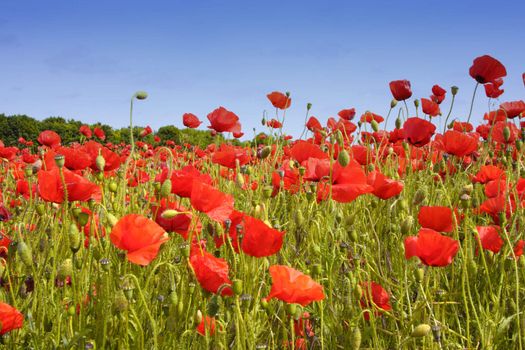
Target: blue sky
(84, 59)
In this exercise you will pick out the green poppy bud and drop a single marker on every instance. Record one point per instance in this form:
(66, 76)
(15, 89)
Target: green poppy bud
(421, 331)
(40, 209)
(264, 152)
(237, 287)
(419, 197)
(120, 302)
(74, 238)
(375, 125)
(113, 186)
(416, 103)
(356, 338)
(100, 162)
(343, 158)
(407, 224)
(393, 103)
(291, 308)
(398, 123)
(165, 189)
(83, 218)
(213, 306)
(420, 274)
(24, 252)
(198, 317)
(506, 133)
(308, 106)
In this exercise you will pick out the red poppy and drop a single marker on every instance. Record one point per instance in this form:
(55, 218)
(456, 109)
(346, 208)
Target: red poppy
(279, 100)
(112, 160)
(207, 199)
(518, 248)
(274, 123)
(229, 156)
(493, 90)
(384, 187)
(513, 109)
(462, 126)
(86, 131)
(8, 153)
(49, 138)
(488, 173)
(498, 132)
(313, 124)
(182, 180)
(79, 188)
(368, 116)
(495, 188)
(10, 318)
(438, 94)
(190, 120)
(258, 239)
(436, 218)
(430, 107)
(140, 237)
(401, 89)
(490, 238)
(379, 296)
(146, 131)
(99, 133)
(207, 325)
(348, 183)
(302, 150)
(211, 272)
(347, 114)
(431, 247)
(418, 132)
(74, 158)
(222, 120)
(180, 223)
(459, 144)
(294, 287)
(485, 69)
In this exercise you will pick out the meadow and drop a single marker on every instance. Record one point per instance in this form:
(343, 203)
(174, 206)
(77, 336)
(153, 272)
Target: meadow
(351, 236)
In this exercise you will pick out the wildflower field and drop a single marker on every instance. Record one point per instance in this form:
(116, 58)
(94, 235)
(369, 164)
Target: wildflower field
(351, 236)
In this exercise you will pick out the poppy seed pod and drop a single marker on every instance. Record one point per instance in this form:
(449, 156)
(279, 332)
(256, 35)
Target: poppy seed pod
(421, 331)
(416, 103)
(113, 186)
(308, 106)
(454, 90)
(407, 224)
(237, 287)
(393, 103)
(141, 95)
(60, 160)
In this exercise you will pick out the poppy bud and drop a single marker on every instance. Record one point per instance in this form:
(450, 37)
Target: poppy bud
(357, 291)
(40, 209)
(180, 307)
(113, 186)
(356, 338)
(302, 170)
(339, 138)
(24, 252)
(100, 162)
(71, 310)
(419, 197)
(393, 103)
(506, 133)
(28, 171)
(198, 317)
(264, 152)
(308, 106)
(291, 309)
(267, 191)
(299, 218)
(239, 179)
(265, 305)
(263, 121)
(353, 236)
(317, 269)
(519, 145)
(398, 123)
(237, 287)
(416, 103)
(169, 213)
(83, 218)
(60, 160)
(454, 90)
(421, 331)
(420, 274)
(185, 250)
(407, 224)
(111, 219)
(406, 148)
(165, 189)
(74, 238)
(65, 269)
(120, 303)
(213, 306)
(287, 93)
(375, 125)
(370, 167)
(141, 95)
(343, 158)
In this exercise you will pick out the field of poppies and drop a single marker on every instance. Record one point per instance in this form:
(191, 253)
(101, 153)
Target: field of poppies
(350, 236)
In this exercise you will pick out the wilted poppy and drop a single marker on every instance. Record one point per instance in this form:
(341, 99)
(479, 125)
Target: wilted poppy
(10, 318)
(279, 100)
(190, 120)
(431, 247)
(485, 69)
(313, 124)
(294, 287)
(140, 237)
(401, 89)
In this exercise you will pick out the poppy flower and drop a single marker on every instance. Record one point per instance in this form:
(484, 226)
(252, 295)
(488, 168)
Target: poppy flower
(347, 114)
(459, 144)
(211, 272)
(438, 94)
(384, 187)
(274, 123)
(99, 133)
(302, 150)
(493, 90)
(401, 89)
(495, 188)
(294, 287)
(488, 173)
(8, 153)
(379, 298)
(207, 325)
(485, 69)
(207, 199)
(462, 126)
(86, 131)
(146, 131)
(259, 239)
(279, 100)
(368, 117)
(431, 247)
(190, 120)
(498, 132)
(513, 109)
(418, 132)
(222, 120)
(49, 138)
(518, 248)
(430, 107)
(180, 223)
(5, 215)
(229, 156)
(313, 124)
(140, 237)
(436, 218)
(490, 238)
(94, 148)
(51, 189)
(10, 318)
(348, 183)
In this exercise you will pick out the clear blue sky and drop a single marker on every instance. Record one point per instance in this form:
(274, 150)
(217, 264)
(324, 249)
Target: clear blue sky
(84, 59)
